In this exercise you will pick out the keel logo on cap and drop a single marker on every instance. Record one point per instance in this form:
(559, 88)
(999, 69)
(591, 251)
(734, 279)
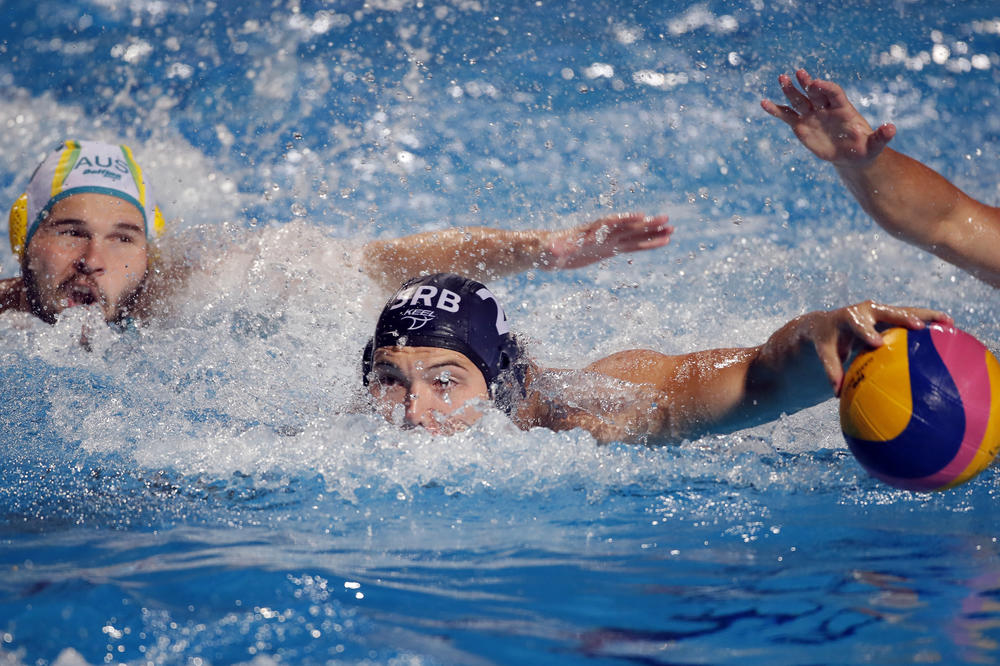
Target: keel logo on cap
(427, 296)
(418, 317)
(447, 311)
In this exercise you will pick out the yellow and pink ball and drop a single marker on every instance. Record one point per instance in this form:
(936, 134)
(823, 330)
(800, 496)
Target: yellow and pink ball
(922, 412)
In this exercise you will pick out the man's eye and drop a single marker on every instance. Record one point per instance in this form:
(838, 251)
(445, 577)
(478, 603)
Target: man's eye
(445, 380)
(388, 380)
(126, 239)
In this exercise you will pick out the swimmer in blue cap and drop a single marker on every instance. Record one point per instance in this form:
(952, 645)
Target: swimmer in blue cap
(84, 226)
(442, 353)
(445, 339)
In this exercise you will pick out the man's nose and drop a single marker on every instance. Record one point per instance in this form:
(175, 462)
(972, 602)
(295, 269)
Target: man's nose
(420, 407)
(91, 259)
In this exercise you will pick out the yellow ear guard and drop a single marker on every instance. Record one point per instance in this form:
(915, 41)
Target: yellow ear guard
(18, 225)
(159, 224)
(78, 167)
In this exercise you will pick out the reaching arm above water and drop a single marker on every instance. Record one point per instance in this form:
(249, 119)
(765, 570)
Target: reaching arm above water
(908, 199)
(644, 396)
(486, 254)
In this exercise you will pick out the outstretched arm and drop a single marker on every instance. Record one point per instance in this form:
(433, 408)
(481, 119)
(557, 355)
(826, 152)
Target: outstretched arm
(652, 397)
(908, 199)
(486, 254)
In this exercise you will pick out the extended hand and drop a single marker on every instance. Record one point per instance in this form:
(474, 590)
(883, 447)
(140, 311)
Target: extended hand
(827, 123)
(834, 332)
(609, 236)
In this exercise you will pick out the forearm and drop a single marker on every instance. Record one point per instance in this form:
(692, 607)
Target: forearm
(904, 196)
(918, 205)
(479, 253)
(719, 390)
(785, 374)
(741, 388)
(660, 398)
(641, 396)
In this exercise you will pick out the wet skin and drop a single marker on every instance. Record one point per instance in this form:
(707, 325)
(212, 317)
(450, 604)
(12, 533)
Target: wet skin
(430, 386)
(91, 249)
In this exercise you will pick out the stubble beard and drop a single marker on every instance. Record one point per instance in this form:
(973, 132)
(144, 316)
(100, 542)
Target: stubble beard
(36, 303)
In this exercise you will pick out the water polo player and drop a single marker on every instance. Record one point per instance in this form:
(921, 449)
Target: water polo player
(81, 232)
(442, 353)
(82, 228)
(441, 347)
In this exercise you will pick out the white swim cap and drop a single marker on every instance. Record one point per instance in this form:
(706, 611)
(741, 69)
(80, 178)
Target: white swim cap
(77, 167)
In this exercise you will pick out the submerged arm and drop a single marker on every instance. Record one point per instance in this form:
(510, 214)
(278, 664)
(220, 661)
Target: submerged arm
(486, 254)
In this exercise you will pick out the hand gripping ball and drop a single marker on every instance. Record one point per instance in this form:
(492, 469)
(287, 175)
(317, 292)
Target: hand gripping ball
(922, 412)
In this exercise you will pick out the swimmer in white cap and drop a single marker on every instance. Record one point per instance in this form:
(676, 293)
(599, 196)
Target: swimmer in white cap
(83, 230)
(442, 353)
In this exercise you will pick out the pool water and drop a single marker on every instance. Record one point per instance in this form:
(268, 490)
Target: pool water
(202, 491)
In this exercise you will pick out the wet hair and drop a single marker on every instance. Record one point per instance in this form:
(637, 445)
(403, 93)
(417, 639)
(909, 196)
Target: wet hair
(448, 311)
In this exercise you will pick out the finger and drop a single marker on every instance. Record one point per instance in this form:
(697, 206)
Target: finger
(878, 139)
(614, 225)
(639, 225)
(640, 243)
(640, 221)
(868, 334)
(784, 113)
(828, 356)
(915, 318)
(644, 242)
(833, 95)
(642, 236)
(819, 95)
(943, 318)
(803, 78)
(624, 218)
(860, 320)
(798, 101)
(646, 225)
(653, 243)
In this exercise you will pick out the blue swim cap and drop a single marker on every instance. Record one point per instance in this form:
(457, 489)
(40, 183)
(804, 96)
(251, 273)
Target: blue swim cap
(448, 311)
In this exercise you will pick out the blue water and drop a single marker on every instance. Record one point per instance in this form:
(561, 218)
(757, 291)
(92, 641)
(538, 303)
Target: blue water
(201, 492)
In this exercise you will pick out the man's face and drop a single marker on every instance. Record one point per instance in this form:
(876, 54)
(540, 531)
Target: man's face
(430, 386)
(90, 249)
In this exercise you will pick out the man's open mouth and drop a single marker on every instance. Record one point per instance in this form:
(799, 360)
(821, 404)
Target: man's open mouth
(81, 294)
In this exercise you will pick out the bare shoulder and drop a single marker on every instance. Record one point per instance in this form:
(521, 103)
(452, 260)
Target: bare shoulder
(609, 408)
(10, 294)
